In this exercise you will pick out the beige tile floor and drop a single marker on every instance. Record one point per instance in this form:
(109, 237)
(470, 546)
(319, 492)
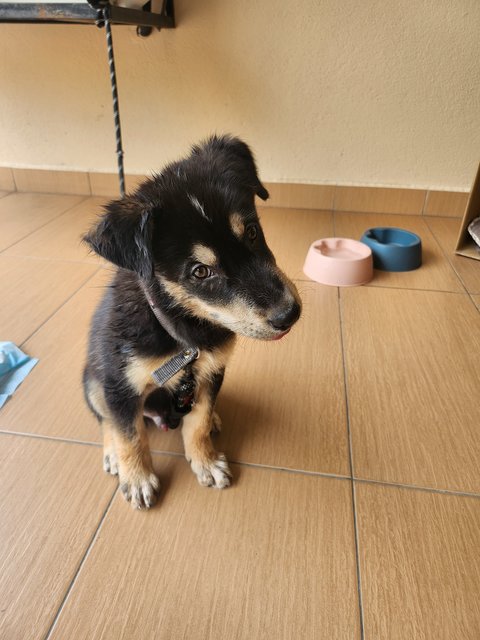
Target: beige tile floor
(355, 508)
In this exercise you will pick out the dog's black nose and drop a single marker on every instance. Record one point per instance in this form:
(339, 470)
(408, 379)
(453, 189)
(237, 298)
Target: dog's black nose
(285, 318)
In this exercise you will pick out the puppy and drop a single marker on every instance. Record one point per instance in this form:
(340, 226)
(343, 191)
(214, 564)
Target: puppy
(193, 271)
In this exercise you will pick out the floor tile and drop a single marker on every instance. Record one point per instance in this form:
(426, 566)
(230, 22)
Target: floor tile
(289, 234)
(420, 566)
(51, 502)
(283, 403)
(247, 562)
(435, 272)
(446, 232)
(32, 290)
(22, 213)
(61, 238)
(50, 400)
(413, 375)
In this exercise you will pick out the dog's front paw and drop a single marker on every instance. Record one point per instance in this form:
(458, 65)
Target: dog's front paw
(214, 472)
(141, 491)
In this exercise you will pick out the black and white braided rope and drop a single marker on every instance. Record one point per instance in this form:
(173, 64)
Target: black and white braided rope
(116, 109)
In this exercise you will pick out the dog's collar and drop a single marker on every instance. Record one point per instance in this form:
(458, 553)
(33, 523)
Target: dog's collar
(180, 360)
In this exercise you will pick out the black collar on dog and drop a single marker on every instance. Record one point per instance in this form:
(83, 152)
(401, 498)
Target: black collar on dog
(180, 360)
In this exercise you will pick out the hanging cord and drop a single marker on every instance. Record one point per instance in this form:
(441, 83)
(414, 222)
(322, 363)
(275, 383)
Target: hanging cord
(116, 109)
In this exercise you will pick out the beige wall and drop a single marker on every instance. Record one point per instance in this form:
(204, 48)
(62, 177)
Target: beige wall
(379, 92)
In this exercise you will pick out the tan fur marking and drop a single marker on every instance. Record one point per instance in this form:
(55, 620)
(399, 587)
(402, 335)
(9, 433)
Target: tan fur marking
(237, 224)
(238, 316)
(184, 298)
(110, 460)
(133, 454)
(97, 398)
(137, 480)
(211, 362)
(107, 435)
(139, 371)
(196, 430)
(205, 255)
(210, 467)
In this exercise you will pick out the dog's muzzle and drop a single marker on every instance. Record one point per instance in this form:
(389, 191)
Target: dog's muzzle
(283, 319)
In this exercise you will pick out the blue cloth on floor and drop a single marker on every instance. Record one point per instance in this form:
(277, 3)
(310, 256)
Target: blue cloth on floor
(14, 367)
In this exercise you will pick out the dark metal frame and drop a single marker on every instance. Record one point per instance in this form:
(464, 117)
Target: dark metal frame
(102, 14)
(84, 13)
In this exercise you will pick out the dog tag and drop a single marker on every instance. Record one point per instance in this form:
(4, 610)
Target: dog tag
(174, 365)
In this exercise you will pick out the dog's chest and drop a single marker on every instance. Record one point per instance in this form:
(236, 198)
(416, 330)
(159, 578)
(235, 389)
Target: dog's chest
(139, 368)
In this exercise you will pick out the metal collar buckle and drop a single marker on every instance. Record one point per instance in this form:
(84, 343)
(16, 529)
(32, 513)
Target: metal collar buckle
(178, 362)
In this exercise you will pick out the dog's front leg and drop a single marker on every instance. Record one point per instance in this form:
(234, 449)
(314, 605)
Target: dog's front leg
(210, 466)
(126, 428)
(138, 482)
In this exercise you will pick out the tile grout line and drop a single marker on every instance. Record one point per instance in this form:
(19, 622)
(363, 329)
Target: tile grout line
(400, 485)
(391, 288)
(306, 472)
(447, 257)
(80, 565)
(41, 436)
(266, 467)
(256, 465)
(19, 256)
(176, 454)
(459, 278)
(60, 307)
(46, 223)
(89, 183)
(424, 205)
(350, 458)
(334, 203)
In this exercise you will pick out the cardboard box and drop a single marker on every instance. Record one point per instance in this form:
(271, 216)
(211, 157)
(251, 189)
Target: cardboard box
(465, 243)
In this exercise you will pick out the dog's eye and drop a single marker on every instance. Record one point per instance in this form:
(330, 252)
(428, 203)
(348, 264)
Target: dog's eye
(201, 272)
(251, 232)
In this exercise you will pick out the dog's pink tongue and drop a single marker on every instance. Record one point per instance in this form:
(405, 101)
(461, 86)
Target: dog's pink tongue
(281, 335)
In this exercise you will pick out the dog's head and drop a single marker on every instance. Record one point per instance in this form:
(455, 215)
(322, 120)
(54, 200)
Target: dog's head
(195, 229)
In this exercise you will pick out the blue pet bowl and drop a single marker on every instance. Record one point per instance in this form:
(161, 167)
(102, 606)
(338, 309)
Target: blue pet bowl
(393, 249)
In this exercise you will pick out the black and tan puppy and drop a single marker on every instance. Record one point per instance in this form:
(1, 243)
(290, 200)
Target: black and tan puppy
(193, 270)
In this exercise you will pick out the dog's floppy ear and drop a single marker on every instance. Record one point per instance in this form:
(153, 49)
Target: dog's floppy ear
(123, 236)
(244, 153)
(242, 162)
(262, 192)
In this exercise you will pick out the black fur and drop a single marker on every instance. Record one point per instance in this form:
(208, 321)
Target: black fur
(217, 381)
(150, 236)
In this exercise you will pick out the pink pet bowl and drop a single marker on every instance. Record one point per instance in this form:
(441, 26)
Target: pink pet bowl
(340, 262)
